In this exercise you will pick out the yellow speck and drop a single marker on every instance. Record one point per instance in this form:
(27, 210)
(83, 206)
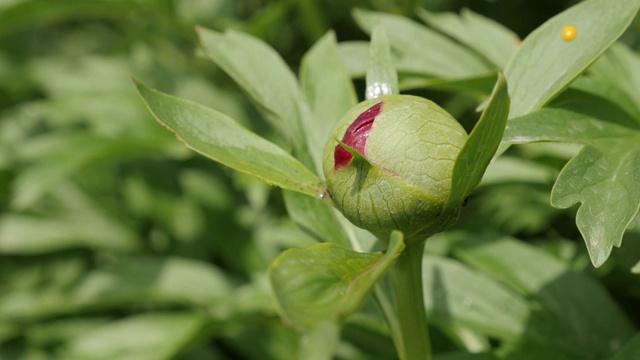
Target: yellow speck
(569, 32)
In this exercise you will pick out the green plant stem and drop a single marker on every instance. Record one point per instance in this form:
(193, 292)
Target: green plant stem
(407, 284)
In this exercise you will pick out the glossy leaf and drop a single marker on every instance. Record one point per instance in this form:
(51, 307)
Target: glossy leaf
(220, 138)
(604, 178)
(545, 64)
(165, 335)
(442, 57)
(326, 282)
(382, 78)
(490, 39)
(481, 145)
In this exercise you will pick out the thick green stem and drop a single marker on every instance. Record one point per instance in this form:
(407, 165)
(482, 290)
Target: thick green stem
(407, 284)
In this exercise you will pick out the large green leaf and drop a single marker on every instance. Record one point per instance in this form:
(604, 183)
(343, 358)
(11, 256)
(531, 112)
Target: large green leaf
(545, 64)
(480, 147)
(267, 79)
(220, 138)
(424, 50)
(604, 178)
(455, 295)
(327, 282)
(574, 313)
(490, 39)
(630, 350)
(621, 66)
(581, 118)
(153, 336)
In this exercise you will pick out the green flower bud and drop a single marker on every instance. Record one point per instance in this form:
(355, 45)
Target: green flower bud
(389, 163)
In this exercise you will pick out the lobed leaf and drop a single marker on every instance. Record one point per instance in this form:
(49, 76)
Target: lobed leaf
(220, 138)
(545, 64)
(604, 178)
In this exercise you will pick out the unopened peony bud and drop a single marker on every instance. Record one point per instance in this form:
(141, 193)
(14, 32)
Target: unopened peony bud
(389, 162)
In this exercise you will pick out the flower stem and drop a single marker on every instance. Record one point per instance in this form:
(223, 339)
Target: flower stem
(407, 285)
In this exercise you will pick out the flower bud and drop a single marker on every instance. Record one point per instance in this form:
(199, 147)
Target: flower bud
(389, 162)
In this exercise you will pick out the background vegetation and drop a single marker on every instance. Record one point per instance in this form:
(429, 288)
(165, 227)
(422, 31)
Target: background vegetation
(116, 242)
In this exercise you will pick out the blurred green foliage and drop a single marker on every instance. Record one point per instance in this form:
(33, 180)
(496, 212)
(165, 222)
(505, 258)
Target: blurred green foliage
(116, 242)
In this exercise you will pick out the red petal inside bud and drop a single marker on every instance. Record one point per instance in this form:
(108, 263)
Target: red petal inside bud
(356, 136)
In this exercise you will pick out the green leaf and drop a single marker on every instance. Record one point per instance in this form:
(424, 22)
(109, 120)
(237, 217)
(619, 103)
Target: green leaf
(319, 342)
(480, 147)
(573, 117)
(457, 296)
(466, 356)
(608, 90)
(630, 350)
(124, 282)
(76, 221)
(315, 217)
(56, 157)
(619, 66)
(153, 336)
(479, 86)
(492, 40)
(604, 178)
(220, 138)
(571, 312)
(326, 282)
(266, 78)
(328, 89)
(24, 13)
(440, 57)
(382, 78)
(545, 64)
